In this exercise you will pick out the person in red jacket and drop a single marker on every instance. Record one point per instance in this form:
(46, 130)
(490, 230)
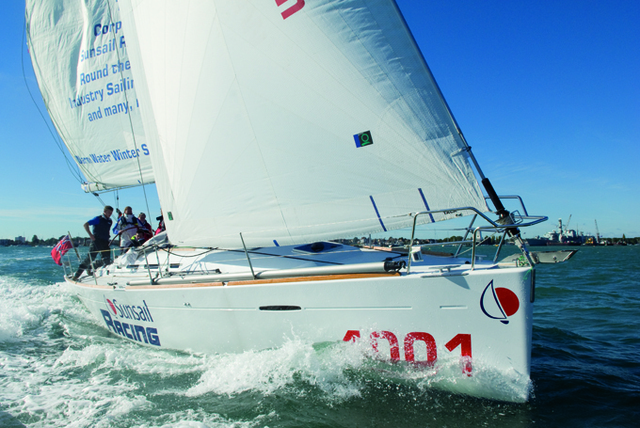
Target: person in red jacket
(144, 228)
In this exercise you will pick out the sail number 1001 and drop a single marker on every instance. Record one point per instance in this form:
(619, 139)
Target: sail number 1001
(460, 340)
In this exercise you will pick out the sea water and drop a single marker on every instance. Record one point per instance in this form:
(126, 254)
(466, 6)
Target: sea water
(60, 368)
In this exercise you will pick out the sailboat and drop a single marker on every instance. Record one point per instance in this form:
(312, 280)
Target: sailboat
(274, 128)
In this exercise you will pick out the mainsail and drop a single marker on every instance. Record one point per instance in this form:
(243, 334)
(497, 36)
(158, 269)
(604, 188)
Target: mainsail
(80, 60)
(289, 121)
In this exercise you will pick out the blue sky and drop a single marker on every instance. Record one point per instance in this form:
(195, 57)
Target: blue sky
(547, 94)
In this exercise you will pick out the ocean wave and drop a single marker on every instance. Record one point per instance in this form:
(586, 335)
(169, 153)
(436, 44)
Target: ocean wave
(23, 307)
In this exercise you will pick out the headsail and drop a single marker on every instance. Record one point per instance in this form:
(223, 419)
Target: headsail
(292, 122)
(80, 59)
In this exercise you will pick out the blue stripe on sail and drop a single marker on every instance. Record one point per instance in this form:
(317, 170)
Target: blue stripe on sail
(377, 213)
(425, 204)
(276, 242)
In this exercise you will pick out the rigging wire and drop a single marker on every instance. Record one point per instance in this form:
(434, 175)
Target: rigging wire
(56, 138)
(133, 134)
(71, 165)
(100, 199)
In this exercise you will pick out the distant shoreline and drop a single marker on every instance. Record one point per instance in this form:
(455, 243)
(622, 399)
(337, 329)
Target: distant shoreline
(379, 242)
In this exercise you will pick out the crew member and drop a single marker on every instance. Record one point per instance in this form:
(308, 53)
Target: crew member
(99, 242)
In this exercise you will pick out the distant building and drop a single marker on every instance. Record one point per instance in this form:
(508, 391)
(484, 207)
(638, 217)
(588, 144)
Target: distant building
(20, 240)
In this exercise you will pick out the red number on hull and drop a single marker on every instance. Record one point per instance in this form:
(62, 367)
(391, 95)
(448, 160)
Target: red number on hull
(393, 343)
(432, 351)
(351, 336)
(462, 340)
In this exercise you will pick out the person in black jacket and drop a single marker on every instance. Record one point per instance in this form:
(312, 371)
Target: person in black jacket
(101, 226)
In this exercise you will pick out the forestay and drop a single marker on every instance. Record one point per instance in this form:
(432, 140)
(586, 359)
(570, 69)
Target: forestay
(291, 121)
(80, 60)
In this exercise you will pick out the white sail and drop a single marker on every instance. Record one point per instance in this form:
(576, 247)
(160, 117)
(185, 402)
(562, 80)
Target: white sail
(263, 110)
(80, 60)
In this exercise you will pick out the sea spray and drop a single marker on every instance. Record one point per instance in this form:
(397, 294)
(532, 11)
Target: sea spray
(295, 365)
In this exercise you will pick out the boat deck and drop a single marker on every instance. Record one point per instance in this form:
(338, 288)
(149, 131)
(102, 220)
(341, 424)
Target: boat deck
(193, 267)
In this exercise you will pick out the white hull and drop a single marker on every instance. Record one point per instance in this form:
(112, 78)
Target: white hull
(429, 316)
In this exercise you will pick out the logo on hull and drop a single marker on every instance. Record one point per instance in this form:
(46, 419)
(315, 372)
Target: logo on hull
(131, 312)
(499, 303)
(121, 320)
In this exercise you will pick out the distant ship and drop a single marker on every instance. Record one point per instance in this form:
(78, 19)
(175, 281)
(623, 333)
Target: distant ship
(559, 236)
(538, 241)
(563, 236)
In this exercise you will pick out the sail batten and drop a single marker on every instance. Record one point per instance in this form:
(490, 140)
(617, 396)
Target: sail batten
(287, 128)
(79, 56)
